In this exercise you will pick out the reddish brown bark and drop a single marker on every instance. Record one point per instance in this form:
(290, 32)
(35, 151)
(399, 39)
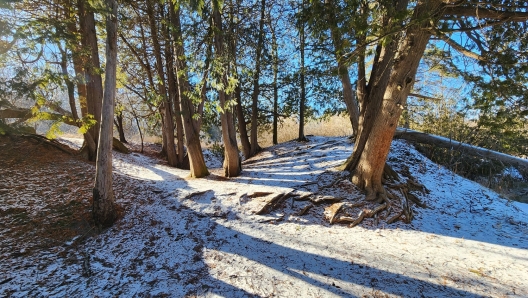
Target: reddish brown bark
(386, 94)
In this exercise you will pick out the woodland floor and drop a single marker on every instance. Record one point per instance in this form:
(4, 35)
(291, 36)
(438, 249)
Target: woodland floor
(205, 238)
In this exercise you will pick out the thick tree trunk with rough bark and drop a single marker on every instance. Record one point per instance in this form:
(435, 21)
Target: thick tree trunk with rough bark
(232, 164)
(104, 211)
(166, 104)
(92, 75)
(384, 102)
(190, 125)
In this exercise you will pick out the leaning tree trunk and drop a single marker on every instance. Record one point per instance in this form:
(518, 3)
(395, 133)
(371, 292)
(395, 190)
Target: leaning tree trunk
(378, 127)
(190, 125)
(232, 164)
(104, 211)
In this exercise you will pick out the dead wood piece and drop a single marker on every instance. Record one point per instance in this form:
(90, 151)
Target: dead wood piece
(274, 202)
(258, 194)
(318, 200)
(305, 209)
(443, 142)
(195, 194)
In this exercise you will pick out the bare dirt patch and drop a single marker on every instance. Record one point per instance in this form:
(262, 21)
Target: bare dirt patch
(45, 196)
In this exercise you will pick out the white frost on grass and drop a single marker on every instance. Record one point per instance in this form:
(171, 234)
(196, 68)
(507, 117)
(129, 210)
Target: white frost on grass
(201, 237)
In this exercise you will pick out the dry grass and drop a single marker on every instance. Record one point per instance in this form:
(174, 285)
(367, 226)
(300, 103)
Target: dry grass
(336, 126)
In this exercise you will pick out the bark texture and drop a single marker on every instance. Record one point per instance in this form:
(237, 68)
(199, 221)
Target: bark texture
(104, 211)
(190, 124)
(165, 107)
(255, 148)
(386, 93)
(232, 163)
(92, 75)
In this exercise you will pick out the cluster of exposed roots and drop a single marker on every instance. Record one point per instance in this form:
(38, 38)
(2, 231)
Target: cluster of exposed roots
(394, 203)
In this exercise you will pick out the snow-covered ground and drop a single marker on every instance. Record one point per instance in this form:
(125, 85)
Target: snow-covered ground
(201, 237)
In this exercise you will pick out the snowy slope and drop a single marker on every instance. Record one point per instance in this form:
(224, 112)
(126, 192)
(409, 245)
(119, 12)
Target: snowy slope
(201, 237)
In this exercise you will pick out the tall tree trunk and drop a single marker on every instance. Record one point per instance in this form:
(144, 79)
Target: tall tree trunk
(92, 65)
(242, 128)
(384, 107)
(192, 126)
(275, 55)
(255, 148)
(302, 103)
(232, 164)
(104, 211)
(348, 94)
(174, 97)
(166, 104)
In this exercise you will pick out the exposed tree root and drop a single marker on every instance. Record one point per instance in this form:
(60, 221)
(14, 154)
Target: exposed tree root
(195, 194)
(305, 209)
(274, 203)
(364, 213)
(258, 194)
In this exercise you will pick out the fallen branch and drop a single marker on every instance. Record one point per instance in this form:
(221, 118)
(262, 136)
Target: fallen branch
(420, 137)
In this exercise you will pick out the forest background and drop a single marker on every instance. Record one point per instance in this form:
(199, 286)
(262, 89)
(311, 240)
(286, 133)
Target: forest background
(187, 68)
